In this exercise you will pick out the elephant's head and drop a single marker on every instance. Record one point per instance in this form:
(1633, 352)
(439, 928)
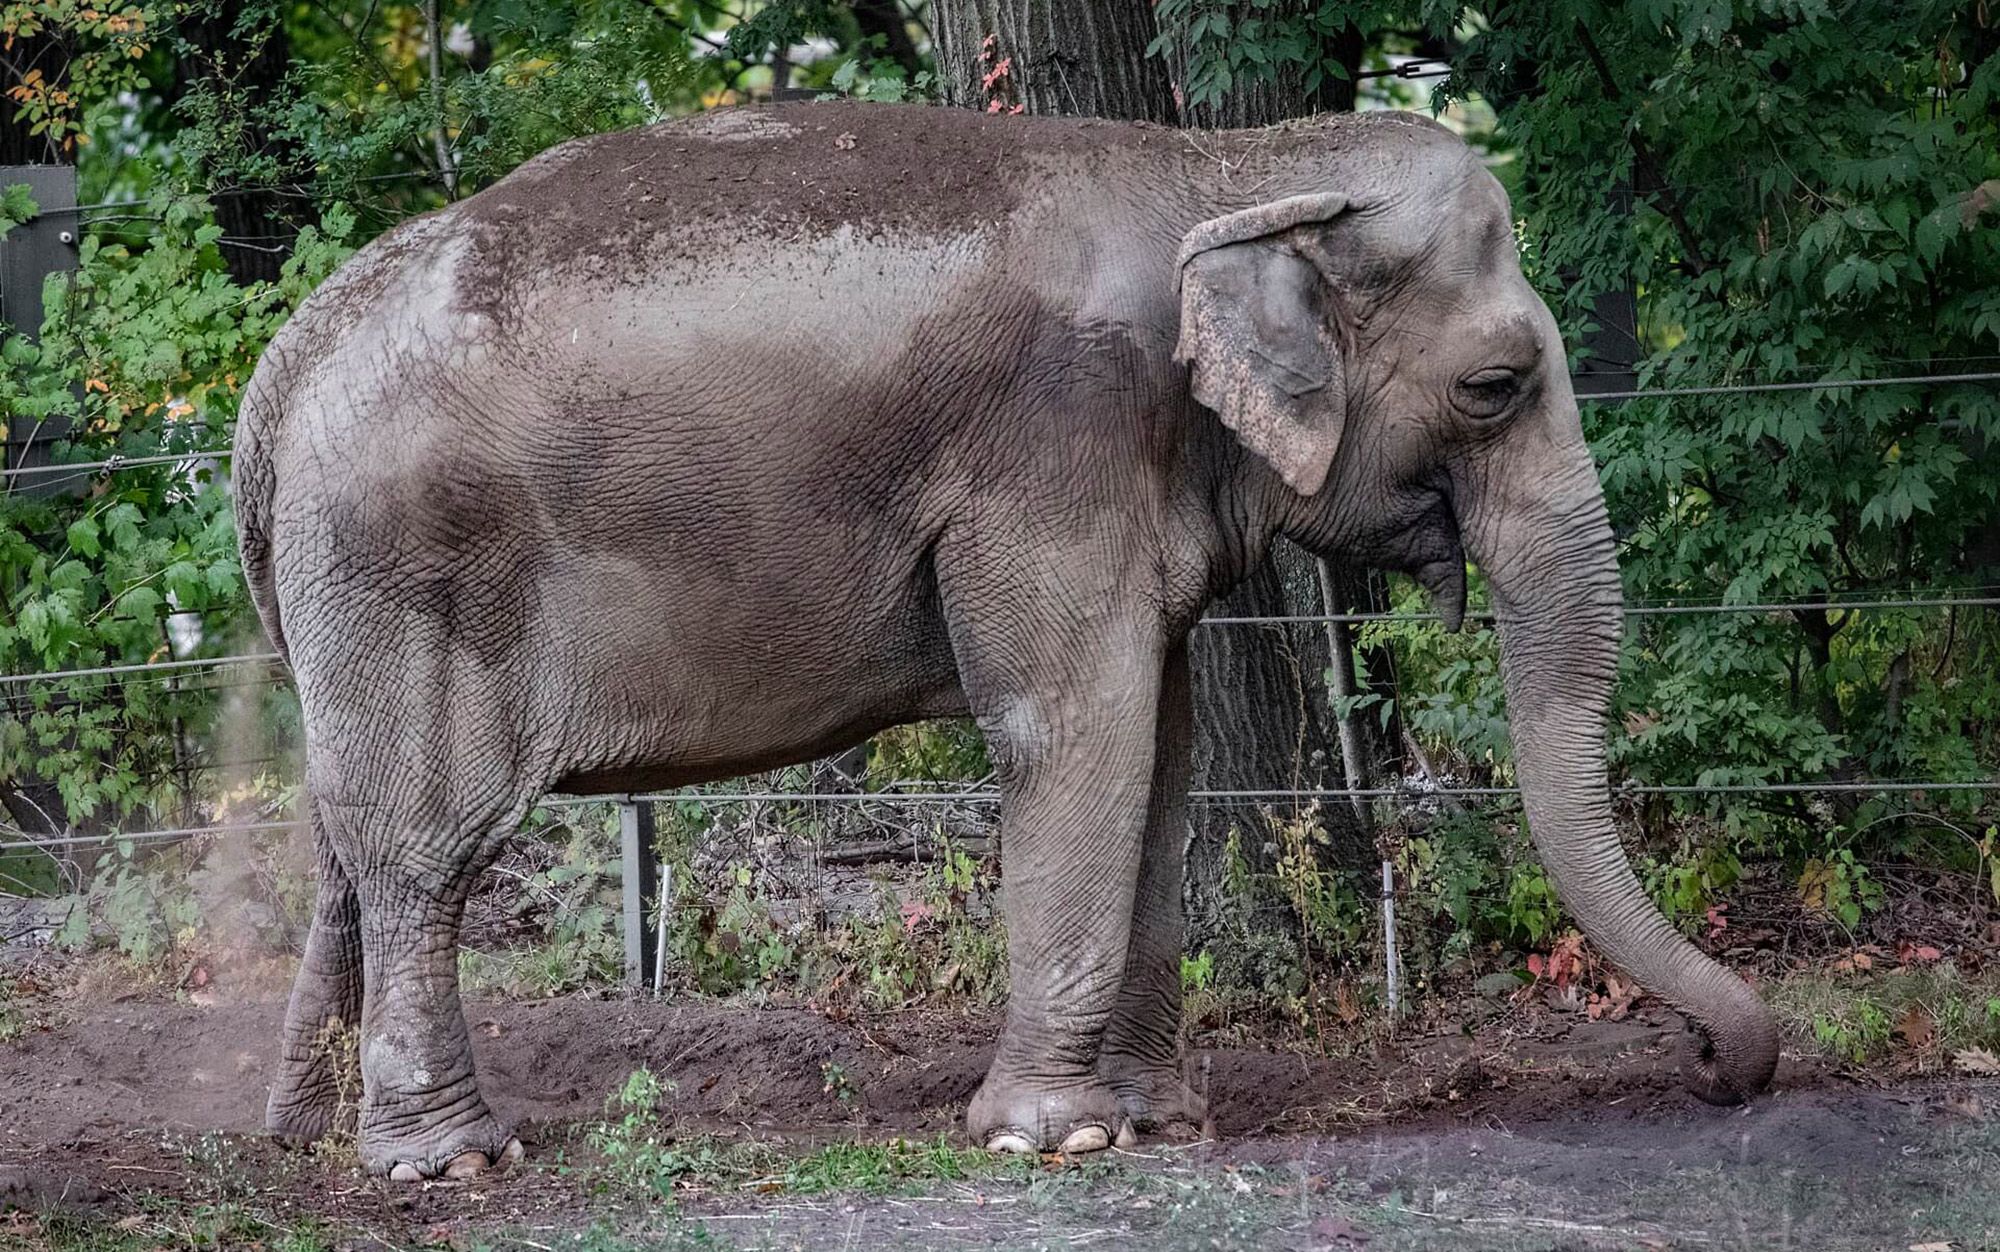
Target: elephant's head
(1386, 357)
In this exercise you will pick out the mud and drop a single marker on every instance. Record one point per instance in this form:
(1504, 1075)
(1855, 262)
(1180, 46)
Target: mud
(187, 1068)
(1543, 1131)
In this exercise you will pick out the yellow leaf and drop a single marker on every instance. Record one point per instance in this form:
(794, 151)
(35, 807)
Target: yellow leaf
(1818, 876)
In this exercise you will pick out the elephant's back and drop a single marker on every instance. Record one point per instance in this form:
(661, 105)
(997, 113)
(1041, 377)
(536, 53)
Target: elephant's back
(682, 189)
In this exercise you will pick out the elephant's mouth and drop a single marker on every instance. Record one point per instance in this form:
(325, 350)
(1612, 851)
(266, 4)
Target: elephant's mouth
(1429, 549)
(1419, 537)
(1445, 580)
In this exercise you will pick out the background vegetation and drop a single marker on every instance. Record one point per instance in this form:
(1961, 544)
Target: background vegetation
(1709, 193)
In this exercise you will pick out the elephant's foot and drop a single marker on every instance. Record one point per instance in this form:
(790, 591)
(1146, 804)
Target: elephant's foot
(1157, 1100)
(464, 1146)
(1016, 1116)
(301, 1117)
(306, 1101)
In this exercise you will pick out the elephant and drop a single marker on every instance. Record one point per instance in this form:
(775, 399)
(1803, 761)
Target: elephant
(726, 442)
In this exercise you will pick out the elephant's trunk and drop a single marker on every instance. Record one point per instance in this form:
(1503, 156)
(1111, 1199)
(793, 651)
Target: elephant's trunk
(1557, 597)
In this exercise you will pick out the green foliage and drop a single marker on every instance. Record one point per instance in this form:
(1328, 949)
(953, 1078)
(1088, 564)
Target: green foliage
(1840, 887)
(1932, 1018)
(145, 351)
(950, 750)
(161, 905)
(553, 72)
(570, 907)
(1847, 247)
(102, 47)
(640, 1154)
(882, 81)
(1221, 45)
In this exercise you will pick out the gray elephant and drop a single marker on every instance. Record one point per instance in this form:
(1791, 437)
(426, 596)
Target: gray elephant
(698, 449)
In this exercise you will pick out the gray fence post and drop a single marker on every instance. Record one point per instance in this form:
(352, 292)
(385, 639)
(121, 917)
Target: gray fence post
(641, 875)
(28, 255)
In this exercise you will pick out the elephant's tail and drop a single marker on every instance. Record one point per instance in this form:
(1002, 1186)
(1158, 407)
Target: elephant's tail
(253, 484)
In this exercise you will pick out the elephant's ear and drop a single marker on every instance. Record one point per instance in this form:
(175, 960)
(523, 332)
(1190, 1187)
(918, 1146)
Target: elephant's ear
(1254, 325)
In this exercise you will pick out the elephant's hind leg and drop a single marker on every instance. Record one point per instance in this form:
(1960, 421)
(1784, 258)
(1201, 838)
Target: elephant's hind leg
(417, 766)
(326, 1002)
(422, 1112)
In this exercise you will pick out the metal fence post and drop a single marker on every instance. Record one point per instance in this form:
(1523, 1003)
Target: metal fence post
(641, 873)
(44, 245)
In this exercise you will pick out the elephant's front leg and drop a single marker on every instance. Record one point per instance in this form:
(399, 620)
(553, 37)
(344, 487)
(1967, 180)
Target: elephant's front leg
(1142, 1045)
(1071, 724)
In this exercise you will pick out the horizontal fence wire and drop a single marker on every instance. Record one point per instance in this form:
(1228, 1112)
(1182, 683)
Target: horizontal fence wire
(993, 796)
(1278, 619)
(146, 667)
(112, 465)
(1749, 389)
(1643, 610)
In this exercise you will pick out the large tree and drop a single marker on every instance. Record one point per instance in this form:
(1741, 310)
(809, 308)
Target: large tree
(231, 65)
(1261, 710)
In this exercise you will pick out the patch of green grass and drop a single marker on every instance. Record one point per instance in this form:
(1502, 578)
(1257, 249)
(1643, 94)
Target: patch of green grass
(1924, 1014)
(639, 1153)
(169, 1224)
(667, 1166)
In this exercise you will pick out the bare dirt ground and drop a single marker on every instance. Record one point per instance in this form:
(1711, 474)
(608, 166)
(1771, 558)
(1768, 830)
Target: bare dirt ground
(120, 1127)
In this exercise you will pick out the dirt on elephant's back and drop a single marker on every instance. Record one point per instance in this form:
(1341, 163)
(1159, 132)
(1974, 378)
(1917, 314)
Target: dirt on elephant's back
(790, 169)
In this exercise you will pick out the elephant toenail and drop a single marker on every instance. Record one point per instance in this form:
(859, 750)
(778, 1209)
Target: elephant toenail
(468, 1165)
(1010, 1141)
(405, 1172)
(1086, 1139)
(1128, 1138)
(512, 1152)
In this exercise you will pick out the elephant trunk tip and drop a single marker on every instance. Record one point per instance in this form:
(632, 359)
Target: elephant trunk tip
(1735, 1069)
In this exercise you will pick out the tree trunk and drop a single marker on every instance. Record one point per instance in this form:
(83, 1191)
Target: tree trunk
(1262, 721)
(245, 62)
(1052, 57)
(1263, 718)
(883, 19)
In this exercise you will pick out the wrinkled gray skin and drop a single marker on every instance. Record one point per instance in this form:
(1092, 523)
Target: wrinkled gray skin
(633, 473)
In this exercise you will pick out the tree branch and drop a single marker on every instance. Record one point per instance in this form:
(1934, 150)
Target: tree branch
(1649, 179)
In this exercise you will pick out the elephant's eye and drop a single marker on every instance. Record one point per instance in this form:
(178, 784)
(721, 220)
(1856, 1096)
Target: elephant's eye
(1486, 393)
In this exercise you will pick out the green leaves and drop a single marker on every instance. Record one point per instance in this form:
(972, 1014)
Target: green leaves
(149, 348)
(17, 205)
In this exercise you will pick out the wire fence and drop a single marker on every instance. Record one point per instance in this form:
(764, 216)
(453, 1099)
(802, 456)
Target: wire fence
(115, 464)
(989, 795)
(49, 677)
(173, 670)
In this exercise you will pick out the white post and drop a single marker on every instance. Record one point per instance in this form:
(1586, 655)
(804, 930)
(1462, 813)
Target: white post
(660, 945)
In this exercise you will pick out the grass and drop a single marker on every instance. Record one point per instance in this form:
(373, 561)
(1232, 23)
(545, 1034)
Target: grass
(167, 1225)
(1926, 1017)
(758, 1196)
